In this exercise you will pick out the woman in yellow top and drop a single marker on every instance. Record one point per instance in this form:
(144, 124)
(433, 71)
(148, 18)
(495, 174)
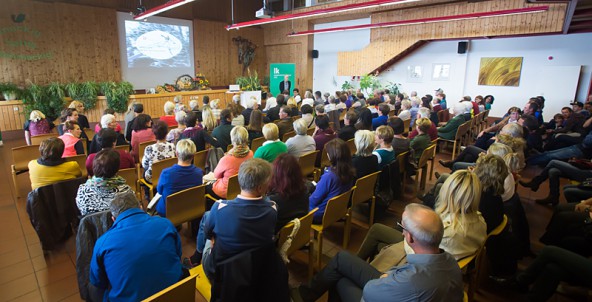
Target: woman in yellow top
(51, 167)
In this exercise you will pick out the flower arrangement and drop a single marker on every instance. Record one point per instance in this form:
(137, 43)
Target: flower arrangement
(201, 83)
(250, 82)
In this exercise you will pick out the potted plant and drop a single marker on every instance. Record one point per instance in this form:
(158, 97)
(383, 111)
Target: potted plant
(250, 86)
(117, 94)
(9, 91)
(84, 92)
(47, 99)
(369, 83)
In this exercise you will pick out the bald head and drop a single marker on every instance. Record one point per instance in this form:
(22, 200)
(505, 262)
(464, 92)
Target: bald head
(424, 225)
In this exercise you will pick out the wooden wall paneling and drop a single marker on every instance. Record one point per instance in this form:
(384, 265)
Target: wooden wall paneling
(211, 43)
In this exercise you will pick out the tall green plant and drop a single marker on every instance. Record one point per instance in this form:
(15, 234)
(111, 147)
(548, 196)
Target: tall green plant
(250, 82)
(369, 83)
(84, 92)
(47, 99)
(117, 94)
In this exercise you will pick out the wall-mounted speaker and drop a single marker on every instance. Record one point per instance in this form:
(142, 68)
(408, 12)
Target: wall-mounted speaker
(462, 47)
(315, 54)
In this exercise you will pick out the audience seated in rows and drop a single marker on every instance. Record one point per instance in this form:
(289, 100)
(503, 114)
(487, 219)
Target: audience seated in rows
(301, 143)
(107, 140)
(158, 151)
(50, 167)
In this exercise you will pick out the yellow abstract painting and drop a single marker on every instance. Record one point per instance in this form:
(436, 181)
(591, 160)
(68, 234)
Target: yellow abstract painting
(500, 71)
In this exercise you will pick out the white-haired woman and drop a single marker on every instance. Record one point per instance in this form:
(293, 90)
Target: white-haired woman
(37, 125)
(107, 121)
(301, 143)
(169, 114)
(215, 105)
(174, 134)
(405, 114)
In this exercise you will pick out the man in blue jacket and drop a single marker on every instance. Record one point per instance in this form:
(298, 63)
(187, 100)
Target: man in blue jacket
(139, 256)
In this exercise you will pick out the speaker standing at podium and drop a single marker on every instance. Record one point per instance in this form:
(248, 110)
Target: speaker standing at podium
(286, 84)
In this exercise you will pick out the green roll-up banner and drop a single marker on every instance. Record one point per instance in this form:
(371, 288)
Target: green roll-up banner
(282, 77)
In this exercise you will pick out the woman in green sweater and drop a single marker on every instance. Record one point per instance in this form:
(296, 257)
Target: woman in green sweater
(272, 147)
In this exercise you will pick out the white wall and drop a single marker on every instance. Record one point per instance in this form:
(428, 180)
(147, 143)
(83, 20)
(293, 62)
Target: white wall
(566, 50)
(325, 77)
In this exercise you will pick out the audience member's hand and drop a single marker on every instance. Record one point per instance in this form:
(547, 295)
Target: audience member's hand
(383, 276)
(480, 134)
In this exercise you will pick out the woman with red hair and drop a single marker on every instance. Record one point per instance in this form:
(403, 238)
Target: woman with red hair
(288, 190)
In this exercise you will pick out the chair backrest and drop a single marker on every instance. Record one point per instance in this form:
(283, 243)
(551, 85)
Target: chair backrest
(125, 148)
(443, 116)
(336, 208)
(37, 139)
(183, 290)
(351, 144)
(200, 158)
(325, 162)
(402, 160)
(391, 113)
(21, 156)
(307, 162)
(90, 133)
(256, 143)
(81, 160)
(499, 228)
(84, 145)
(142, 147)
(406, 125)
(186, 205)
(287, 135)
(131, 177)
(160, 165)
(462, 130)
(233, 188)
(426, 155)
(310, 131)
(364, 188)
(302, 237)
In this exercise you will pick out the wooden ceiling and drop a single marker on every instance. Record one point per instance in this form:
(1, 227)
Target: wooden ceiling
(579, 18)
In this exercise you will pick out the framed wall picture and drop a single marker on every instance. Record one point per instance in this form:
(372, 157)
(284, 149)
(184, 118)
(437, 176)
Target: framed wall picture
(500, 71)
(414, 73)
(440, 71)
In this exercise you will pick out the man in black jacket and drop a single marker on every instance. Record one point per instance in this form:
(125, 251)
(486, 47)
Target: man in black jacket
(274, 113)
(349, 131)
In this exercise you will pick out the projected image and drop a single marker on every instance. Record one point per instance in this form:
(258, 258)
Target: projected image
(157, 45)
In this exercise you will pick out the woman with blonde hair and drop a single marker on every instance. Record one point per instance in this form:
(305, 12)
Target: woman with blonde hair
(492, 171)
(272, 147)
(209, 120)
(364, 161)
(229, 164)
(215, 106)
(37, 125)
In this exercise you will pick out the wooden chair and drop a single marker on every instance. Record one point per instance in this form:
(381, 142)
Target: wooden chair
(21, 156)
(200, 158)
(433, 159)
(142, 147)
(484, 121)
(458, 138)
(406, 126)
(301, 239)
(202, 283)
(256, 143)
(475, 274)
(307, 166)
(157, 168)
(232, 191)
(391, 113)
(325, 162)
(363, 191)
(183, 290)
(443, 116)
(310, 131)
(84, 146)
(351, 144)
(287, 135)
(186, 205)
(81, 160)
(335, 210)
(131, 179)
(125, 148)
(422, 166)
(37, 139)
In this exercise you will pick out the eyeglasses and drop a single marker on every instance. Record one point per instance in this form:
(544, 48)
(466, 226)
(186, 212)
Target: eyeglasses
(401, 226)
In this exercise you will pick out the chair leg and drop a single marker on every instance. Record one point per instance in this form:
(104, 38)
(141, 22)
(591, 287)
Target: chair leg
(453, 150)
(347, 228)
(432, 167)
(320, 250)
(16, 188)
(424, 176)
(310, 259)
(372, 209)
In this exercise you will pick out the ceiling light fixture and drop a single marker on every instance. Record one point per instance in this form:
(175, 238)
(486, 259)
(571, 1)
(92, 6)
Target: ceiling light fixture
(319, 12)
(526, 10)
(161, 8)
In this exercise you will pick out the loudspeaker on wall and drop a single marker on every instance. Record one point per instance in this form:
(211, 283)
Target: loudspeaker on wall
(462, 47)
(315, 54)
